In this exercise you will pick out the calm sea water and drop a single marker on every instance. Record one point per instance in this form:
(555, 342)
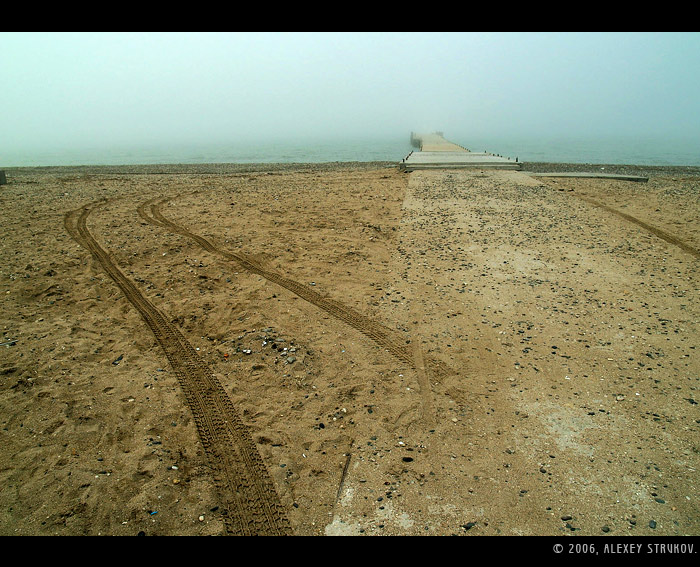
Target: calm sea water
(621, 151)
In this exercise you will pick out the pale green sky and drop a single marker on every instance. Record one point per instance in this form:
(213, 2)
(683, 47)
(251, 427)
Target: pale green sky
(81, 89)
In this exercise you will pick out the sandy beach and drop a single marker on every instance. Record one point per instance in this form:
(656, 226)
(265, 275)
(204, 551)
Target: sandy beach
(348, 349)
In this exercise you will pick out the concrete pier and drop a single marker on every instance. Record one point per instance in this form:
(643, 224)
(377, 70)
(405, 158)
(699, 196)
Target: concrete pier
(435, 152)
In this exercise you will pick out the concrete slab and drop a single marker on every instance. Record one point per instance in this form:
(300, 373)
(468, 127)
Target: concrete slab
(453, 160)
(591, 175)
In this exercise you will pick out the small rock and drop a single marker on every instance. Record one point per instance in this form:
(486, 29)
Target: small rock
(652, 524)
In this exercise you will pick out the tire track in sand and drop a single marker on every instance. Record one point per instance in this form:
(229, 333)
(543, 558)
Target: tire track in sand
(662, 234)
(427, 369)
(248, 495)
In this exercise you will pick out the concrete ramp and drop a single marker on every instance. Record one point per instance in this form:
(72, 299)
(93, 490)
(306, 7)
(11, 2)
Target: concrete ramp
(435, 152)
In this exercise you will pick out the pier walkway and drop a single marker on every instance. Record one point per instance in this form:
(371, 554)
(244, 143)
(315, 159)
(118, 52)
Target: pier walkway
(435, 152)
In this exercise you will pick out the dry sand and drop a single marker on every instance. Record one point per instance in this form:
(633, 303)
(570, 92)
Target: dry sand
(348, 349)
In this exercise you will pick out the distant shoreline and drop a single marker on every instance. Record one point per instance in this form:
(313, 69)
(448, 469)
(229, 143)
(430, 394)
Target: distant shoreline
(234, 168)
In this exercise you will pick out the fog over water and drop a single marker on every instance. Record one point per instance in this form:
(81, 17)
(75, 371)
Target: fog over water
(107, 92)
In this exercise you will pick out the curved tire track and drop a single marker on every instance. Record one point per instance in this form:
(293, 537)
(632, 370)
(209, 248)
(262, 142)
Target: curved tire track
(249, 499)
(395, 344)
(379, 333)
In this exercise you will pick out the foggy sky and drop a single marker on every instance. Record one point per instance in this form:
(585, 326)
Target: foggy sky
(81, 89)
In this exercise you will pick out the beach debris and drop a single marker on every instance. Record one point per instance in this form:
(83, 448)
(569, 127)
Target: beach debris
(343, 476)
(118, 360)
